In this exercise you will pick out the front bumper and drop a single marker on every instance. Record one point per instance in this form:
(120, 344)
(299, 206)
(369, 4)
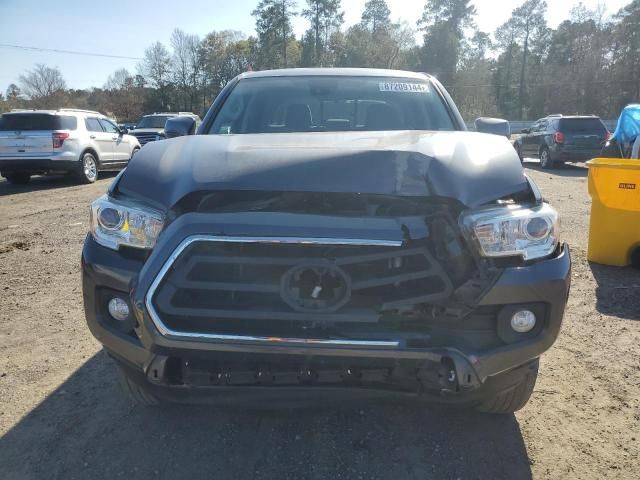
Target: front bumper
(567, 154)
(151, 354)
(146, 136)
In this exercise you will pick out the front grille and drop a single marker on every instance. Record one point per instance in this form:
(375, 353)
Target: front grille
(299, 290)
(145, 137)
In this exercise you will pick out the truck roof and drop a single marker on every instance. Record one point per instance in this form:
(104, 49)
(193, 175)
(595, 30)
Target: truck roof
(336, 72)
(60, 111)
(559, 115)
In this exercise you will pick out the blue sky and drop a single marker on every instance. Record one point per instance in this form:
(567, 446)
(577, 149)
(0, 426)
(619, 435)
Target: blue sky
(126, 28)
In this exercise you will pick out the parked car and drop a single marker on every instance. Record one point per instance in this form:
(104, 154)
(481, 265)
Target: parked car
(127, 125)
(151, 127)
(64, 141)
(557, 139)
(327, 229)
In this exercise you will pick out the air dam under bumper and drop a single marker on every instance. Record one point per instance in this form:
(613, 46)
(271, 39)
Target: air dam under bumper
(150, 355)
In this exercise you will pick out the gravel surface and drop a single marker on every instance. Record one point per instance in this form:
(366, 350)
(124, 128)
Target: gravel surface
(62, 415)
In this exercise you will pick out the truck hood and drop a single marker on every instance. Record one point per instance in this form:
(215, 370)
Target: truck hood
(146, 130)
(472, 168)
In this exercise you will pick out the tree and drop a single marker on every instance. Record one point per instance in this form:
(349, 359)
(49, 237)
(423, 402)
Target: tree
(12, 98)
(443, 23)
(239, 57)
(626, 60)
(376, 16)
(186, 66)
(403, 39)
(13, 92)
(156, 69)
(125, 98)
(119, 80)
(376, 41)
(531, 24)
(273, 24)
(475, 72)
(458, 14)
(506, 40)
(575, 50)
(524, 70)
(360, 47)
(44, 86)
(325, 18)
(224, 55)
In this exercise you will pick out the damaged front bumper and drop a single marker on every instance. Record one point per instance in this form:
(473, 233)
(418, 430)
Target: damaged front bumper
(456, 370)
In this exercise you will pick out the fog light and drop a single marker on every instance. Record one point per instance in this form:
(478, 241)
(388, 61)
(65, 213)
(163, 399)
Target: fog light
(118, 309)
(523, 321)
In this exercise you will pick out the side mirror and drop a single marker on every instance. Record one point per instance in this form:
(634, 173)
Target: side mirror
(179, 127)
(494, 126)
(123, 131)
(525, 130)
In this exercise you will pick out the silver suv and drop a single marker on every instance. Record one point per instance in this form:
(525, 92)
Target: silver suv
(66, 141)
(151, 127)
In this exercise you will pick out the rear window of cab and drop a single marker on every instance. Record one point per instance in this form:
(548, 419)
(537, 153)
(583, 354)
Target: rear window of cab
(575, 125)
(36, 121)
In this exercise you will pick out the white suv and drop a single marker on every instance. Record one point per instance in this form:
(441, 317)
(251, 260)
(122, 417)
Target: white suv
(67, 141)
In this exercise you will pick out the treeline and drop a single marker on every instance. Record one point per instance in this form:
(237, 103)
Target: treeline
(590, 63)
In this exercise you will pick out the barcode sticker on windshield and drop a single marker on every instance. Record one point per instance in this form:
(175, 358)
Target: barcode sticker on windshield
(404, 87)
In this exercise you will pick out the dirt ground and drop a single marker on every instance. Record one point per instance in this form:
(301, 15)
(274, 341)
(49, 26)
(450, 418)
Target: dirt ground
(62, 415)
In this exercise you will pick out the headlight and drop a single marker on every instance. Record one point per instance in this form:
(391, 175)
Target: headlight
(114, 223)
(514, 231)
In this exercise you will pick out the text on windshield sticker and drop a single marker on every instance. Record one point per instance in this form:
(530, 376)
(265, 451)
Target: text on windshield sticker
(404, 87)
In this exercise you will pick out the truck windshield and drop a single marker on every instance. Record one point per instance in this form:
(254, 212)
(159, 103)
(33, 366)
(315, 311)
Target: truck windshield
(153, 122)
(331, 104)
(582, 125)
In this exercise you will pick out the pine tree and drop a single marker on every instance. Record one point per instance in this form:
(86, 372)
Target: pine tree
(530, 22)
(376, 16)
(273, 24)
(443, 23)
(325, 18)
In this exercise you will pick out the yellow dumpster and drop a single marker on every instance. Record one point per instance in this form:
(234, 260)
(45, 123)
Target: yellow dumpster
(614, 230)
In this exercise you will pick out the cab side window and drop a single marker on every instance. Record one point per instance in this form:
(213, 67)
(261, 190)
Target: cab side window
(93, 125)
(539, 126)
(107, 126)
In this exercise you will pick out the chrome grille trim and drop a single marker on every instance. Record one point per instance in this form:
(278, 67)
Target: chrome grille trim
(169, 333)
(145, 137)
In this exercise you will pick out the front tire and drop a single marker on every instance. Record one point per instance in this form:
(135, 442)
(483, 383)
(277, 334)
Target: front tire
(18, 178)
(515, 397)
(545, 159)
(88, 169)
(134, 152)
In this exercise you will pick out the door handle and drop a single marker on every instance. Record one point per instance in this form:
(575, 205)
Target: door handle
(114, 138)
(92, 137)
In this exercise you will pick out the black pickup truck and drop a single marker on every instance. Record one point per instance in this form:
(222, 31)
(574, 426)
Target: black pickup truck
(327, 231)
